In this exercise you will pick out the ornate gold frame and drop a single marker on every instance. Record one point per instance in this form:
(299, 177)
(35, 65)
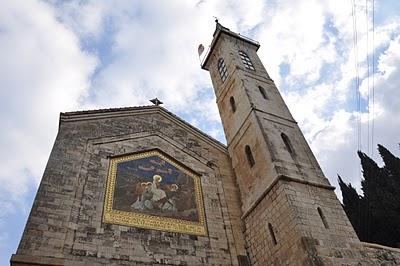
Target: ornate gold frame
(150, 221)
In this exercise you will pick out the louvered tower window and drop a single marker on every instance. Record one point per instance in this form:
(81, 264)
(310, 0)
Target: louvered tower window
(246, 60)
(223, 72)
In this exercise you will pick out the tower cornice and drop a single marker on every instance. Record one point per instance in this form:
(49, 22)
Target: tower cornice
(219, 30)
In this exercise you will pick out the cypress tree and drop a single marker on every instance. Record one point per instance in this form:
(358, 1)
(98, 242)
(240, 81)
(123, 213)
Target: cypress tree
(392, 203)
(352, 205)
(373, 187)
(392, 163)
(375, 216)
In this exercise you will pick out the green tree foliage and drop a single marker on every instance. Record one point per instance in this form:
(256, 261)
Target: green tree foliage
(375, 215)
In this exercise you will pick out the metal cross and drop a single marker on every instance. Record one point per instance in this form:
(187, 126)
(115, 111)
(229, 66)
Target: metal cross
(156, 101)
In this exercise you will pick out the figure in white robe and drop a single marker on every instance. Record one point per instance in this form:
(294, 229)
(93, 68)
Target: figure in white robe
(153, 197)
(158, 194)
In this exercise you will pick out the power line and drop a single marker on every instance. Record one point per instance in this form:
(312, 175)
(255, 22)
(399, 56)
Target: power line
(357, 77)
(357, 89)
(368, 87)
(373, 77)
(370, 130)
(368, 102)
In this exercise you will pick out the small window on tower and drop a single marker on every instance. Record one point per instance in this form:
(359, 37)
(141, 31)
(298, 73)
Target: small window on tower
(249, 155)
(223, 72)
(286, 140)
(272, 233)
(246, 60)
(263, 93)
(323, 218)
(233, 104)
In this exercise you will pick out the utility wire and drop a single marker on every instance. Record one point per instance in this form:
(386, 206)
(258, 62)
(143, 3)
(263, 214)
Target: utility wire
(368, 203)
(358, 99)
(357, 77)
(373, 77)
(368, 87)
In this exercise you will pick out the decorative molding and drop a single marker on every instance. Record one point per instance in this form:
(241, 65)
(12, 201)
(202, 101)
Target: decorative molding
(377, 246)
(19, 259)
(140, 110)
(148, 134)
(274, 182)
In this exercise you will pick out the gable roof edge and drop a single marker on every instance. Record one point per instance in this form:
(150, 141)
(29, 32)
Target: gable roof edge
(127, 111)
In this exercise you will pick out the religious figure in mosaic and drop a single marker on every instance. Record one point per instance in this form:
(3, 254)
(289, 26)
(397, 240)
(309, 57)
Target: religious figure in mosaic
(154, 186)
(155, 195)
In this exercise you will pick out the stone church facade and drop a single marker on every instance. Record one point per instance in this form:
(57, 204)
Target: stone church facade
(140, 186)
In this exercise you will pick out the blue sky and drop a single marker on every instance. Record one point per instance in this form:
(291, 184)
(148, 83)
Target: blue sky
(58, 56)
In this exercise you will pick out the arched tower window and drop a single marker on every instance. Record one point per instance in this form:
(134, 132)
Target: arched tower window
(263, 93)
(288, 145)
(246, 60)
(223, 72)
(323, 218)
(272, 233)
(249, 155)
(233, 103)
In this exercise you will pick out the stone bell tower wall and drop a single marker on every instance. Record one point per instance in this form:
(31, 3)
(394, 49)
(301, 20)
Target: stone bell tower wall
(290, 211)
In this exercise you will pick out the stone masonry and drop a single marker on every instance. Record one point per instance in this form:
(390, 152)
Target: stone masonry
(66, 225)
(266, 200)
(290, 212)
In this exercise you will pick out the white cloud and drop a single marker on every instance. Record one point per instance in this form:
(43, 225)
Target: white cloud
(317, 45)
(294, 34)
(147, 49)
(152, 52)
(85, 18)
(336, 145)
(42, 72)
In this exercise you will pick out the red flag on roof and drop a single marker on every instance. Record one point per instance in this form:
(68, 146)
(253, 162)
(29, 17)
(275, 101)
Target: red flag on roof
(200, 50)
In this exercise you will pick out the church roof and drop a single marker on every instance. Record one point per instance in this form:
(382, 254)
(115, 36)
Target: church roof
(124, 111)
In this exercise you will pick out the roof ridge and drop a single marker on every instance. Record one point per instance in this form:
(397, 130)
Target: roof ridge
(135, 108)
(104, 110)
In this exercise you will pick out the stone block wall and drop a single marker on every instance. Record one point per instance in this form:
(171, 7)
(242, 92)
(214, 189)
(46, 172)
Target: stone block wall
(271, 231)
(283, 227)
(297, 234)
(66, 225)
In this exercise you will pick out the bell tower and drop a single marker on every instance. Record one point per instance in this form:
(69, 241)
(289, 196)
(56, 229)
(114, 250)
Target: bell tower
(291, 215)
